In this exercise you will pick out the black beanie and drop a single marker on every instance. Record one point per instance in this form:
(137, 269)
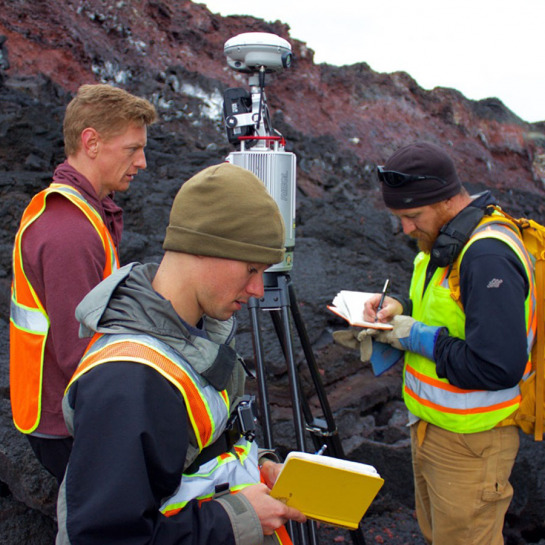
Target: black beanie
(422, 159)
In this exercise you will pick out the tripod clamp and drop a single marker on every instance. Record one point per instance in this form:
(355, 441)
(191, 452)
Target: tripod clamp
(320, 430)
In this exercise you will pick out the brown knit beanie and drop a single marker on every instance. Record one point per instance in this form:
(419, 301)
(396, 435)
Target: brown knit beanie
(422, 159)
(226, 211)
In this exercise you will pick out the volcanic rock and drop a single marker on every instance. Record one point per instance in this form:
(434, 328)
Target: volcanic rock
(340, 122)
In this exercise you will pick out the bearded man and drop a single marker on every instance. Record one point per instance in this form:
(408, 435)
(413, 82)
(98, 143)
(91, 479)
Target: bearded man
(463, 359)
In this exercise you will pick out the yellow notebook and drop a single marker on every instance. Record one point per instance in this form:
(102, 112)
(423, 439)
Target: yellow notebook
(327, 489)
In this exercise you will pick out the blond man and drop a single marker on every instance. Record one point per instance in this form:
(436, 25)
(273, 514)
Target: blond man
(66, 244)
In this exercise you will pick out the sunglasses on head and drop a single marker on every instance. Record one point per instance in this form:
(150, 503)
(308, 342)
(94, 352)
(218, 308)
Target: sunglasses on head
(393, 178)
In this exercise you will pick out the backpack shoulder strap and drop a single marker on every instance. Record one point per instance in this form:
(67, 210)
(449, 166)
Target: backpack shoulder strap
(494, 215)
(538, 350)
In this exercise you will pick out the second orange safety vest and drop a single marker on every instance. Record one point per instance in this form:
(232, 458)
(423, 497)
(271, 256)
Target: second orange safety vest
(29, 322)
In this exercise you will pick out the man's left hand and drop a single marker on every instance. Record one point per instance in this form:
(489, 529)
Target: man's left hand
(410, 335)
(270, 471)
(355, 338)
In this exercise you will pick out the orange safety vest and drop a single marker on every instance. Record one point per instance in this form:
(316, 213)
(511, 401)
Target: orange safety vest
(207, 409)
(29, 322)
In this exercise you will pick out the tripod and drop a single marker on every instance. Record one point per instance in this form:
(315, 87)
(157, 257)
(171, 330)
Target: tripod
(280, 299)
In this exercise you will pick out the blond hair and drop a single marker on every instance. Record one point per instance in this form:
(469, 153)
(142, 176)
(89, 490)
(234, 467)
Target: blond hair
(107, 109)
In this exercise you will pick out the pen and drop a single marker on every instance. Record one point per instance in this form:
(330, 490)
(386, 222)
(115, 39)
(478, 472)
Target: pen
(381, 302)
(321, 450)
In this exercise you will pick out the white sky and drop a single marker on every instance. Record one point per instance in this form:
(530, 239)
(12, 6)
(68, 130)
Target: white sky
(483, 48)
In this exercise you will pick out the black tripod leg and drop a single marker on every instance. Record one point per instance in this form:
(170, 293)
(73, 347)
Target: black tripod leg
(287, 344)
(284, 334)
(307, 413)
(306, 532)
(265, 414)
(333, 436)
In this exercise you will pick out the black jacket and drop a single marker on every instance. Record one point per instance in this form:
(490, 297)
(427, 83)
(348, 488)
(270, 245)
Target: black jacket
(493, 289)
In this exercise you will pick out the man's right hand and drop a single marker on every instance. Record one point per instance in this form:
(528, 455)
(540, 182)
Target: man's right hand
(271, 512)
(390, 308)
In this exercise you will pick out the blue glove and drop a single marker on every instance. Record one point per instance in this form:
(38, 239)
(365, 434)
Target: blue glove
(410, 335)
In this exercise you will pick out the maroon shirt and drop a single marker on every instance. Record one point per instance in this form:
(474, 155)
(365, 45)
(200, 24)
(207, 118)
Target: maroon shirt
(64, 259)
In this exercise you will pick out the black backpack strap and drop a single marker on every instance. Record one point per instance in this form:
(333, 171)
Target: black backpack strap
(241, 424)
(224, 443)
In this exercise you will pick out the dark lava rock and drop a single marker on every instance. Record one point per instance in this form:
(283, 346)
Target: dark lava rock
(340, 122)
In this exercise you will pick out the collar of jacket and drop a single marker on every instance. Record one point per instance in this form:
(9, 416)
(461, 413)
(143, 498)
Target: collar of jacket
(126, 302)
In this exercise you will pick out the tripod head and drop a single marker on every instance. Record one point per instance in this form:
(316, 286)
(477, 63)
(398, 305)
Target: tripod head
(248, 124)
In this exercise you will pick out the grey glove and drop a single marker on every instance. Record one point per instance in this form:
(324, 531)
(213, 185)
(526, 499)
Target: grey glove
(402, 328)
(410, 335)
(356, 338)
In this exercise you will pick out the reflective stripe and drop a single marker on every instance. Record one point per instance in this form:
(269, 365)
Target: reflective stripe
(208, 409)
(67, 190)
(237, 470)
(456, 400)
(28, 319)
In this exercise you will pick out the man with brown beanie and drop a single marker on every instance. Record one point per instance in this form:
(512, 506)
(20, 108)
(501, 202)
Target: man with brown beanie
(158, 451)
(463, 360)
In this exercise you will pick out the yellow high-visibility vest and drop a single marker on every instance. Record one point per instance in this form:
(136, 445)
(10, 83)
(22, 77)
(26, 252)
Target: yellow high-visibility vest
(434, 399)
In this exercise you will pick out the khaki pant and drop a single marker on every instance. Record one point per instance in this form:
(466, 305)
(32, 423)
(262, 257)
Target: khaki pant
(462, 488)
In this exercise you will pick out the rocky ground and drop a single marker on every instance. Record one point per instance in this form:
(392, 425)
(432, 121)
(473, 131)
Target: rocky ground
(340, 122)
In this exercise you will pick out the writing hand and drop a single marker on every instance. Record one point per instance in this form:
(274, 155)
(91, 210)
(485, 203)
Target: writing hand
(390, 308)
